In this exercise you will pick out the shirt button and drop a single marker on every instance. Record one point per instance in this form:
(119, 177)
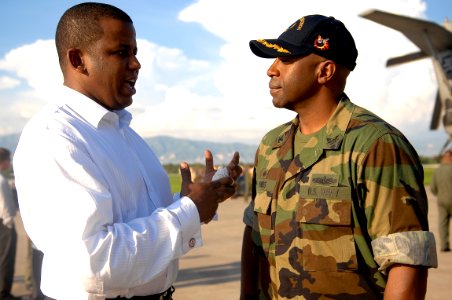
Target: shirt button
(192, 242)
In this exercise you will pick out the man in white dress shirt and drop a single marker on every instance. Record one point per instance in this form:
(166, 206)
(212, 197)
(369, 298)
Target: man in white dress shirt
(93, 196)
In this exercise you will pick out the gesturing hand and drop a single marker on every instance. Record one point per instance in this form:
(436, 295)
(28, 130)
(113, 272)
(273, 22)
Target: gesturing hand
(206, 195)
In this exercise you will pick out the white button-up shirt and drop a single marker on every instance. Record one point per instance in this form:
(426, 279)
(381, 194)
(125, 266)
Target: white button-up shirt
(96, 200)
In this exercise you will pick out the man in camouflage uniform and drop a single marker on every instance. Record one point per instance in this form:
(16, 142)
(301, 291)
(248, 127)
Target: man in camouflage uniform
(339, 209)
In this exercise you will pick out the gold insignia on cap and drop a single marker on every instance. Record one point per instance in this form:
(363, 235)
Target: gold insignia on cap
(300, 25)
(273, 46)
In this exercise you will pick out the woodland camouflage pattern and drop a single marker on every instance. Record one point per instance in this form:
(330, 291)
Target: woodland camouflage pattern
(359, 180)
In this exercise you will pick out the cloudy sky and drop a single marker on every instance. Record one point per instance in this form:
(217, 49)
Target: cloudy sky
(199, 79)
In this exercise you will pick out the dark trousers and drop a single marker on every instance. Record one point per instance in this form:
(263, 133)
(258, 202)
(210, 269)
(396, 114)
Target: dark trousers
(8, 243)
(37, 257)
(167, 295)
(122, 298)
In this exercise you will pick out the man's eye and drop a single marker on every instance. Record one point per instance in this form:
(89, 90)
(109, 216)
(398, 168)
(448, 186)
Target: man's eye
(285, 59)
(122, 53)
(290, 59)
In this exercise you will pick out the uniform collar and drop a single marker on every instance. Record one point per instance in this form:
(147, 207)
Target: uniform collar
(335, 127)
(330, 138)
(338, 123)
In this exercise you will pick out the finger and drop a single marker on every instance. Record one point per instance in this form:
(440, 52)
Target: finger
(209, 161)
(235, 159)
(234, 168)
(185, 172)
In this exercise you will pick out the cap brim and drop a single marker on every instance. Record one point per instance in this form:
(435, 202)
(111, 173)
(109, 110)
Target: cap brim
(273, 48)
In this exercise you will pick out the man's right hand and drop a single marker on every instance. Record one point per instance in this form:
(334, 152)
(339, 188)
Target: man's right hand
(205, 195)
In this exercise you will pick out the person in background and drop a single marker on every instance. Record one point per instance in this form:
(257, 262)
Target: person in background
(8, 234)
(94, 198)
(339, 209)
(441, 186)
(248, 173)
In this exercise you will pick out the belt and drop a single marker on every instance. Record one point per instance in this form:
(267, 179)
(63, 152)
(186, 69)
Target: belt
(166, 295)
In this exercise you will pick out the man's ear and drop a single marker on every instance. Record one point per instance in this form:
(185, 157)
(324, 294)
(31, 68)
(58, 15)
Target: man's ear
(76, 61)
(327, 69)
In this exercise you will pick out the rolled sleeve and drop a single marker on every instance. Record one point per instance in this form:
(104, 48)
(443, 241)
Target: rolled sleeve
(410, 248)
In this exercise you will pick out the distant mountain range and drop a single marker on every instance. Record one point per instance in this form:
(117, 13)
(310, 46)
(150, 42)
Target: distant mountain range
(174, 150)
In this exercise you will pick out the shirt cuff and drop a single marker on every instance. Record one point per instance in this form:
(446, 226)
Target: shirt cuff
(188, 216)
(409, 248)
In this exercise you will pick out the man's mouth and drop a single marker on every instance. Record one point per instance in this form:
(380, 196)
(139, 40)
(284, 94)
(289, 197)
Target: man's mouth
(131, 83)
(273, 85)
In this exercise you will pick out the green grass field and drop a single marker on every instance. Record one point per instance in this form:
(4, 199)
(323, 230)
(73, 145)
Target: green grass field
(428, 171)
(175, 182)
(175, 179)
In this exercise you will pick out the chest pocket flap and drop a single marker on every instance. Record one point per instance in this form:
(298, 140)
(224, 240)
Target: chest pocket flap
(325, 216)
(264, 193)
(325, 205)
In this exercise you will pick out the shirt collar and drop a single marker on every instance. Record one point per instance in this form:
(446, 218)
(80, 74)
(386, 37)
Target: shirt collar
(338, 123)
(91, 111)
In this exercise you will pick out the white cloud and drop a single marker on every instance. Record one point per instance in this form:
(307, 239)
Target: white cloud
(37, 64)
(8, 82)
(228, 100)
(403, 95)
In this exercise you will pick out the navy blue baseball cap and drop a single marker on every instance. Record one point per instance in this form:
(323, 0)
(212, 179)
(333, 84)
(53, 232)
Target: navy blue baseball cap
(321, 35)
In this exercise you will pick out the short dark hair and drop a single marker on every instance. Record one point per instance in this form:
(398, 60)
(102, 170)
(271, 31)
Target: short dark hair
(4, 154)
(79, 26)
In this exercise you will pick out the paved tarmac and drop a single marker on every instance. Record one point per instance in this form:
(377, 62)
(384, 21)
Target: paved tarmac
(213, 271)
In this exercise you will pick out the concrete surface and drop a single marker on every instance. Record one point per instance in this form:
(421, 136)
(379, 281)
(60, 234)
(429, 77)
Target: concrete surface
(213, 271)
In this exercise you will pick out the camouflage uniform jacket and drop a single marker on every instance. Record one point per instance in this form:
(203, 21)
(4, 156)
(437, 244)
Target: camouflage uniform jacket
(331, 219)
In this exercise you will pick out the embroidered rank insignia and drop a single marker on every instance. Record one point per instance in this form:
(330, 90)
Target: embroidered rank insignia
(273, 46)
(321, 43)
(300, 25)
(325, 179)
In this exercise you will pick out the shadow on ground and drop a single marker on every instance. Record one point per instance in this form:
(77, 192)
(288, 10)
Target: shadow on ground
(208, 275)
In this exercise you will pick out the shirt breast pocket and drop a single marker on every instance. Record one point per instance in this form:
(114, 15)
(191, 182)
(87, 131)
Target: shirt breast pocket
(262, 204)
(325, 219)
